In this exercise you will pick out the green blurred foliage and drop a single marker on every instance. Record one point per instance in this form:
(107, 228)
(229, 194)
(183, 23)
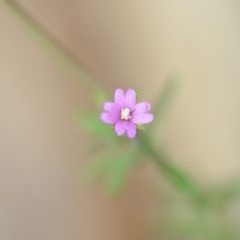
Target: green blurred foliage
(115, 156)
(198, 215)
(201, 213)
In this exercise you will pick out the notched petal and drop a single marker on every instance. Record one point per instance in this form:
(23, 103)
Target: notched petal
(142, 118)
(131, 129)
(130, 98)
(112, 107)
(141, 107)
(109, 118)
(120, 127)
(119, 96)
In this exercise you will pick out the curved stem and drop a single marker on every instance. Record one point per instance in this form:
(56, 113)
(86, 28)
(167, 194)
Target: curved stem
(66, 60)
(173, 173)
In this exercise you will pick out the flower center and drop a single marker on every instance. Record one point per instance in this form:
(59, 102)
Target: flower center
(125, 113)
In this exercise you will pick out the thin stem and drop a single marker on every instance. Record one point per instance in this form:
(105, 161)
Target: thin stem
(174, 174)
(66, 60)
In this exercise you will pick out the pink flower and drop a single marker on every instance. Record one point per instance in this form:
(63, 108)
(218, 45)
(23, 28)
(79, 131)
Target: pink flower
(125, 113)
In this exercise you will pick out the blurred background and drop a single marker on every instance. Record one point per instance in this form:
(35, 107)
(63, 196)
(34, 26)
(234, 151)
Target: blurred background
(127, 43)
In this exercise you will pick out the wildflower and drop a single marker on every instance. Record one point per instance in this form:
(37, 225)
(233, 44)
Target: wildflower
(125, 114)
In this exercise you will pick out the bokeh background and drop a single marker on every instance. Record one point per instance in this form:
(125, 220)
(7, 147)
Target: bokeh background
(127, 43)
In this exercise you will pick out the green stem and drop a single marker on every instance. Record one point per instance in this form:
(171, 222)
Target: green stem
(66, 60)
(174, 174)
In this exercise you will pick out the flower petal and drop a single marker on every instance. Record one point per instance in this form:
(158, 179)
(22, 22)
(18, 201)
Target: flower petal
(120, 127)
(142, 118)
(141, 108)
(130, 98)
(109, 118)
(112, 107)
(119, 96)
(131, 129)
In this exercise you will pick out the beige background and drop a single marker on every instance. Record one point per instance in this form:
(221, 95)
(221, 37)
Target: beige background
(126, 43)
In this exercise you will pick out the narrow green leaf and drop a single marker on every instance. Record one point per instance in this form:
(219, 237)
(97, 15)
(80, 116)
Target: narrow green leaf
(91, 122)
(229, 192)
(95, 171)
(140, 127)
(162, 104)
(100, 97)
(165, 97)
(118, 173)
